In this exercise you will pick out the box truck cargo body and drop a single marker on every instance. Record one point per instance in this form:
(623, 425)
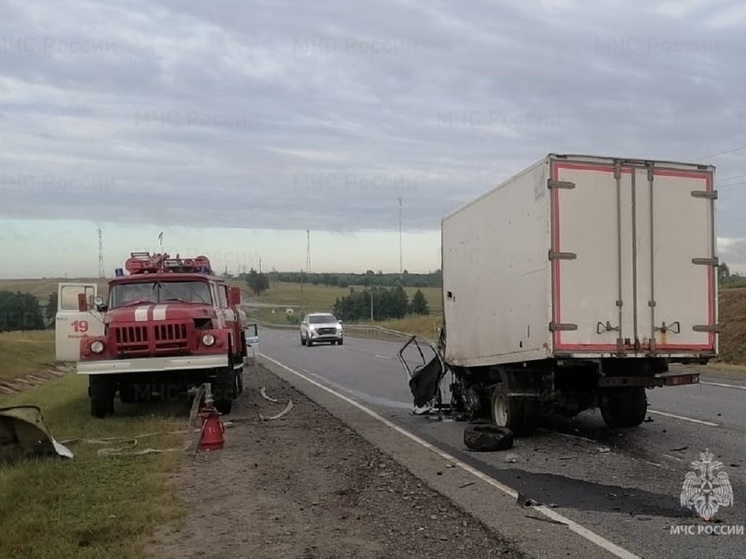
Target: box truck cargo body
(583, 257)
(575, 283)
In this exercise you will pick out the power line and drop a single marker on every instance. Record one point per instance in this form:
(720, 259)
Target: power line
(719, 154)
(730, 178)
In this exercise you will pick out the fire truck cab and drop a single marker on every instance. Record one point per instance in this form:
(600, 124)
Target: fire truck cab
(167, 325)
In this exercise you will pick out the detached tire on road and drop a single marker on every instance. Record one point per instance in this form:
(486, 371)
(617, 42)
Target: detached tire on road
(485, 437)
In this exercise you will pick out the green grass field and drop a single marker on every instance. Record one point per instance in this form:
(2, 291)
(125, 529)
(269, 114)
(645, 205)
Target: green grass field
(43, 287)
(312, 298)
(25, 352)
(88, 507)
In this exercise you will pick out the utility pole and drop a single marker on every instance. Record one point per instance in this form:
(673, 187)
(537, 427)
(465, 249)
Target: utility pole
(260, 265)
(371, 305)
(308, 251)
(401, 259)
(101, 272)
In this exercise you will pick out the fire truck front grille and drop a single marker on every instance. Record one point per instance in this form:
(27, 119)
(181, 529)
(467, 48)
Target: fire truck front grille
(169, 337)
(150, 339)
(131, 340)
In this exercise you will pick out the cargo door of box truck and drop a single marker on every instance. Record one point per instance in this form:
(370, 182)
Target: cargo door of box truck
(633, 259)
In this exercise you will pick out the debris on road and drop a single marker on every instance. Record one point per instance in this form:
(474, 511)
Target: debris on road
(263, 392)
(483, 437)
(24, 434)
(279, 415)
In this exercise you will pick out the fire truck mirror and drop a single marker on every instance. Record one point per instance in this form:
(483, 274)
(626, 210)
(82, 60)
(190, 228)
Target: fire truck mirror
(99, 304)
(82, 302)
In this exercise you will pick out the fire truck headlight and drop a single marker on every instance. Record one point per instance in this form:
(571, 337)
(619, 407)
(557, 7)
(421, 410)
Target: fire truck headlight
(97, 346)
(208, 339)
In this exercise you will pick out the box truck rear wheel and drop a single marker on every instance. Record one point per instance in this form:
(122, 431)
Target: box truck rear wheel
(520, 416)
(624, 407)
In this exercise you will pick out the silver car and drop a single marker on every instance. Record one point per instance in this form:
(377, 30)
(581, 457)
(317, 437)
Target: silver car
(320, 328)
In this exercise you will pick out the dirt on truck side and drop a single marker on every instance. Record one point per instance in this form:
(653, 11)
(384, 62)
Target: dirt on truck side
(307, 486)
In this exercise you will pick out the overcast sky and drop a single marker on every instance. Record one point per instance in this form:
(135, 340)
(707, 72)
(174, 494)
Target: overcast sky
(235, 126)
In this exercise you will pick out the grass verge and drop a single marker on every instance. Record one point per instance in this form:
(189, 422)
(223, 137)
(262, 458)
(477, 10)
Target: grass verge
(25, 352)
(426, 326)
(88, 507)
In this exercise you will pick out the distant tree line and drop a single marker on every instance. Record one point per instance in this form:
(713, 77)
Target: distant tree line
(21, 311)
(257, 281)
(379, 303)
(367, 279)
(728, 279)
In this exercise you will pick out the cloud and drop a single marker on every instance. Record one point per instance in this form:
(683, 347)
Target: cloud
(278, 115)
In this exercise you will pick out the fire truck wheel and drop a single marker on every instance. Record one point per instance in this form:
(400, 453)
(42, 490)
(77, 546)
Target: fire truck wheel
(102, 389)
(223, 388)
(128, 393)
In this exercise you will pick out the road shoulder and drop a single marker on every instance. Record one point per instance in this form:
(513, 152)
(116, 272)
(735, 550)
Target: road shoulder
(529, 531)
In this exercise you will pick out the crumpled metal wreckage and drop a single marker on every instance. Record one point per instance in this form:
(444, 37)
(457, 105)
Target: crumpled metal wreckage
(24, 435)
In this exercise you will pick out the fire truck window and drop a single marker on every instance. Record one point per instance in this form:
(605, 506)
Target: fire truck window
(223, 295)
(186, 291)
(69, 297)
(132, 292)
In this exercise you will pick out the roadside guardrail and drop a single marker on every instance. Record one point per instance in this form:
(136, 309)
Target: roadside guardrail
(365, 330)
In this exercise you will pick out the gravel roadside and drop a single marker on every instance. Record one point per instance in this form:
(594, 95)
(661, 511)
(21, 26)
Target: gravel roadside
(307, 486)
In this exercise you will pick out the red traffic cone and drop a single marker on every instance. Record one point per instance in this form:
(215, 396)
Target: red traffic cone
(211, 437)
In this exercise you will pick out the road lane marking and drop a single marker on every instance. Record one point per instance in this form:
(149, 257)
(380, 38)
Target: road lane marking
(383, 356)
(572, 525)
(723, 385)
(684, 418)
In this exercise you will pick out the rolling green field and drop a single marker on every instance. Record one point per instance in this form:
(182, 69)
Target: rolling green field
(25, 352)
(88, 507)
(322, 297)
(43, 287)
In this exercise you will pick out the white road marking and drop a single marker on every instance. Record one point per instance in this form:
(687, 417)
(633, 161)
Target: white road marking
(573, 526)
(723, 385)
(383, 356)
(684, 418)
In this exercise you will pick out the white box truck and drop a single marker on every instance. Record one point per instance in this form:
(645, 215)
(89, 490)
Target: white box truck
(573, 285)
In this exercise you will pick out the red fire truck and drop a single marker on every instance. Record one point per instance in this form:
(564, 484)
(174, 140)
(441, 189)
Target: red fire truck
(169, 324)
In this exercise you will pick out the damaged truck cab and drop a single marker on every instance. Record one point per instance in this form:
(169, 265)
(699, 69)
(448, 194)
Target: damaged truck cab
(168, 325)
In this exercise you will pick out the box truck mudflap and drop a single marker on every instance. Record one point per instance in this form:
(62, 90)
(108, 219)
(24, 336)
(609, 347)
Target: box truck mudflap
(574, 284)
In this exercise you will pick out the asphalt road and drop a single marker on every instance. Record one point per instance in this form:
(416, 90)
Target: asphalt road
(624, 485)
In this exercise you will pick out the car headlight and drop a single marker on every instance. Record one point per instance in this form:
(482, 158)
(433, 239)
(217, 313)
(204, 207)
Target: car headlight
(97, 346)
(208, 339)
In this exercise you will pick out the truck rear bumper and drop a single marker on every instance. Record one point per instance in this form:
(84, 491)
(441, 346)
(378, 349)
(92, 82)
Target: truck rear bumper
(662, 379)
(152, 364)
